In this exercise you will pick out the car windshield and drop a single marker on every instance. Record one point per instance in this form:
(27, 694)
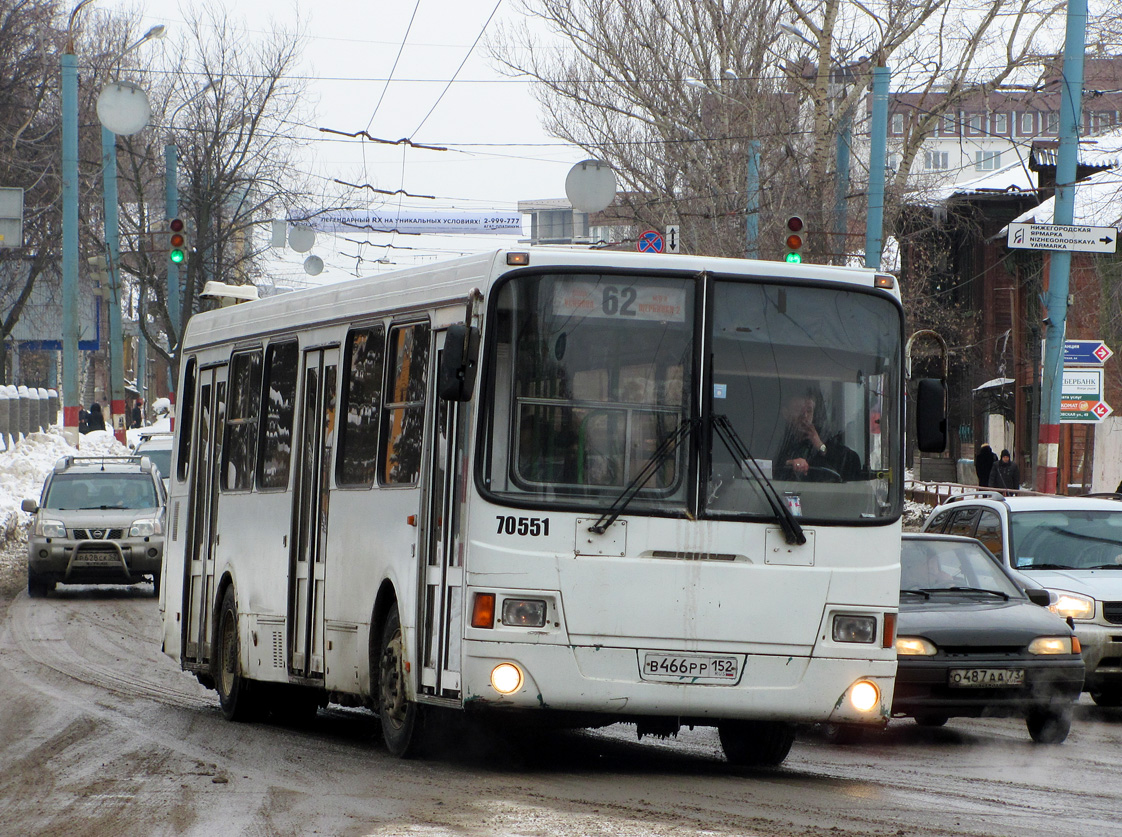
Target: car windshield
(1066, 539)
(101, 490)
(161, 458)
(944, 565)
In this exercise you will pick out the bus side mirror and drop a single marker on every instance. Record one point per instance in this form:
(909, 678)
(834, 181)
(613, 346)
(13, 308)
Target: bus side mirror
(931, 415)
(456, 376)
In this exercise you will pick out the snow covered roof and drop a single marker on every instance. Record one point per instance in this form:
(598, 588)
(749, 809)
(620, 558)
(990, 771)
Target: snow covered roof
(1098, 202)
(1008, 180)
(1099, 151)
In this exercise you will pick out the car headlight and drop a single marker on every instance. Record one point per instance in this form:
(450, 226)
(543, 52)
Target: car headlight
(914, 646)
(146, 527)
(1051, 645)
(854, 628)
(1072, 605)
(51, 529)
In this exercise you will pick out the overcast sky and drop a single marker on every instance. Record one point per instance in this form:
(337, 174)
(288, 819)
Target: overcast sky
(498, 154)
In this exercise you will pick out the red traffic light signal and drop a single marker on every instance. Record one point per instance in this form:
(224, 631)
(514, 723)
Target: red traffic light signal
(794, 239)
(177, 250)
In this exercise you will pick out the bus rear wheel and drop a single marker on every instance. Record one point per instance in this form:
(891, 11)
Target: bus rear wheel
(235, 693)
(399, 716)
(756, 743)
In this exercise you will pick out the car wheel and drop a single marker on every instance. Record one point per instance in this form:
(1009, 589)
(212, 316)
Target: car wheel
(756, 743)
(235, 693)
(399, 716)
(37, 586)
(156, 585)
(1049, 725)
(931, 720)
(1107, 697)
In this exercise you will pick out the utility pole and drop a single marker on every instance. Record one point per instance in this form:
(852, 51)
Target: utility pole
(752, 209)
(1059, 262)
(878, 157)
(113, 257)
(171, 203)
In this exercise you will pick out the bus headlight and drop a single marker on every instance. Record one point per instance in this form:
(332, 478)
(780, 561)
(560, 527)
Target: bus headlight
(854, 628)
(523, 613)
(864, 695)
(506, 678)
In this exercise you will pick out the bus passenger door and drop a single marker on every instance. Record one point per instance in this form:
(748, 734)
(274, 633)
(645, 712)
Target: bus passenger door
(442, 555)
(309, 512)
(210, 401)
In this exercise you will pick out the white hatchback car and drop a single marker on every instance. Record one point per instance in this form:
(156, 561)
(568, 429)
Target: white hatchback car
(1071, 546)
(157, 446)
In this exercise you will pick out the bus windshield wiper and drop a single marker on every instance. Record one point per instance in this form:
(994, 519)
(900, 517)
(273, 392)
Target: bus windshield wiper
(978, 590)
(748, 466)
(663, 452)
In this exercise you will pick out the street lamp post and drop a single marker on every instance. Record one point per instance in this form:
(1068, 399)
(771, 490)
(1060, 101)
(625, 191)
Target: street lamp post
(122, 109)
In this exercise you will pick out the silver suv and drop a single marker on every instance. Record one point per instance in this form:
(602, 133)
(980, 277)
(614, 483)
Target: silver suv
(100, 520)
(1071, 546)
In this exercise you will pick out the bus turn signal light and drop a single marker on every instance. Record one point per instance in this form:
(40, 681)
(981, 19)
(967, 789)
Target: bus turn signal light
(483, 611)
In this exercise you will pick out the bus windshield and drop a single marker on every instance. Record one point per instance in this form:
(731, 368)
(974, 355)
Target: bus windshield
(591, 374)
(806, 376)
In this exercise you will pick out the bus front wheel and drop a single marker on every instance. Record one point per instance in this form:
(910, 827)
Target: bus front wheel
(756, 743)
(399, 716)
(235, 693)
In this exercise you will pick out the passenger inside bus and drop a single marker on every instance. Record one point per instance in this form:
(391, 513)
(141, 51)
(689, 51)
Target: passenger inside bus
(808, 453)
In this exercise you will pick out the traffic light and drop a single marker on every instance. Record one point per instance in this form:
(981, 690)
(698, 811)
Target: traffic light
(794, 239)
(177, 240)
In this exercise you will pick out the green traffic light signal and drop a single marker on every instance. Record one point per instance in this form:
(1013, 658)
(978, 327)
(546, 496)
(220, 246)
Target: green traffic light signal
(177, 241)
(794, 258)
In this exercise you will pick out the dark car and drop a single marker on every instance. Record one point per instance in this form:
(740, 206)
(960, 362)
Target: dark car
(971, 642)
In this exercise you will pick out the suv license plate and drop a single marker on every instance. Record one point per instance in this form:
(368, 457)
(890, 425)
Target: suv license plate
(691, 668)
(97, 559)
(987, 677)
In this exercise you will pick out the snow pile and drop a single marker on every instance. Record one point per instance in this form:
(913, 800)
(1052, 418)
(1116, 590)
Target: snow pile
(24, 468)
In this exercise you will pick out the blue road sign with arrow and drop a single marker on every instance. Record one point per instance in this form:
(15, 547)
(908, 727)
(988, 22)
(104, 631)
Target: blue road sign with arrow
(1086, 352)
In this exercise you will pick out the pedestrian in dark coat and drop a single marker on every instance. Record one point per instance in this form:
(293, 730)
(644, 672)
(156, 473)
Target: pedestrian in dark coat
(96, 421)
(1005, 473)
(137, 417)
(983, 464)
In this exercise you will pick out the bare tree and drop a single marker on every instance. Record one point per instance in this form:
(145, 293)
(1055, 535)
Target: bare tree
(29, 137)
(630, 87)
(226, 103)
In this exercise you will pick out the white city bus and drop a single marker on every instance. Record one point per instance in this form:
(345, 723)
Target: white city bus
(610, 522)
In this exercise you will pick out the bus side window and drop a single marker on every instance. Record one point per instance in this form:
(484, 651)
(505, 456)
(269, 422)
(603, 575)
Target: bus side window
(239, 451)
(362, 407)
(186, 422)
(278, 411)
(404, 414)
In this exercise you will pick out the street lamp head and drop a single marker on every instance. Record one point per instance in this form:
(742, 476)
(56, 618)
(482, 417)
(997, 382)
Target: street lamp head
(123, 108)
(695, 83)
